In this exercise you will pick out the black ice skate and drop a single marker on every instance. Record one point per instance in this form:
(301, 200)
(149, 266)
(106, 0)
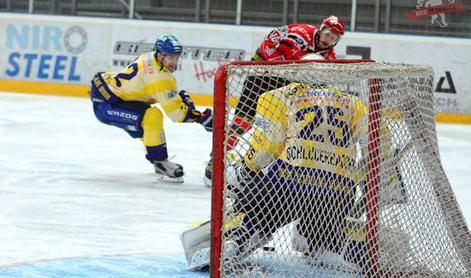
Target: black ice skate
(168, 171)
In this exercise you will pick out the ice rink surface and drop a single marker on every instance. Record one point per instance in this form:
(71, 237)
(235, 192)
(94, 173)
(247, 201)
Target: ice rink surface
(78, 199)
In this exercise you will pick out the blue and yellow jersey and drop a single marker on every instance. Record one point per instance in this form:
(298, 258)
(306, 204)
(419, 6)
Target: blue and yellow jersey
(309, 128)
(148, 81)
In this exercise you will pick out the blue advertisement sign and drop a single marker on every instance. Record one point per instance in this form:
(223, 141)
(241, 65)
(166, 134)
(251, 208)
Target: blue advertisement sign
(44, 52)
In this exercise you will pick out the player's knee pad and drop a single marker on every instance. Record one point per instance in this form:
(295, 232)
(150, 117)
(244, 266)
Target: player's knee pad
(153, 126)
(153, 119)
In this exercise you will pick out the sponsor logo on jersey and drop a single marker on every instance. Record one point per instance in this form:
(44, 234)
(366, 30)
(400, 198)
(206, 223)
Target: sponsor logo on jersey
(262, 124)
(324, 96)
(171, 94)
(320, 93)
(147, 65)
(274, 36)
(269, 50)
(283, 30)
(299, 41)
(122, 115)
(302, 30)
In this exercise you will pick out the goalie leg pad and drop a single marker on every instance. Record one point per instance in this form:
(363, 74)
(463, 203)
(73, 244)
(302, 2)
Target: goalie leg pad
(200, 259)
(196, 242)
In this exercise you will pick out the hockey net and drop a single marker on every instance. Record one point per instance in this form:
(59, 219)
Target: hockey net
(381, 207)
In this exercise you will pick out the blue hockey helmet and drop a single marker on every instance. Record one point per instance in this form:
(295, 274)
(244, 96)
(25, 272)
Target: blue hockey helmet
(167, 45)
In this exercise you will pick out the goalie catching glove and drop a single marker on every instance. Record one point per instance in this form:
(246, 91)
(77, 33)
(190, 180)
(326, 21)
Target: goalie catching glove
(204, 118)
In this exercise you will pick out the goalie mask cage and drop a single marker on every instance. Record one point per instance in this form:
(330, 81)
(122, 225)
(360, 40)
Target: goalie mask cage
(399, 219)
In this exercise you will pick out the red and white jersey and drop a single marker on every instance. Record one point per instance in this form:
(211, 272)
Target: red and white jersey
(291, 42)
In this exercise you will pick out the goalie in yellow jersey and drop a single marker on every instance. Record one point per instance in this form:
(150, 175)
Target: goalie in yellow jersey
(302, 164)
(125, 100)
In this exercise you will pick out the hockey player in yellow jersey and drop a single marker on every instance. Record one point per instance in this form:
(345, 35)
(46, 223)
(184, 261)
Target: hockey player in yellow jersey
(125, 99)
(304, 152)
(303, 164)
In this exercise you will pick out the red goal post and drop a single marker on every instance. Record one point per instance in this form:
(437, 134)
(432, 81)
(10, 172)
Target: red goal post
(383, 213)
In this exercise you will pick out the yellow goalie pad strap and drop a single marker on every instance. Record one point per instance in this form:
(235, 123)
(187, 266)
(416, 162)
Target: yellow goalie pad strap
(197, 224)
(355, 229)
(234, 222)
(392, 114)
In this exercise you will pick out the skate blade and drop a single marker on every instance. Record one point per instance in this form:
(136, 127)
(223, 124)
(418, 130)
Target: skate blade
(164, 178)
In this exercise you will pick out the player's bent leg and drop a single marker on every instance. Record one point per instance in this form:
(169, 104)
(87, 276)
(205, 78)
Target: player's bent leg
(124, 115)
(140, 120)
(154, 140)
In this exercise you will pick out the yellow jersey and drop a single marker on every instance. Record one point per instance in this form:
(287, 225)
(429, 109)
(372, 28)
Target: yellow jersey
(148, 81)
(309, 128)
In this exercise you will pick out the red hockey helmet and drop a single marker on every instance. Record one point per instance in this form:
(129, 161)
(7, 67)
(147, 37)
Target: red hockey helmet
(334, 24)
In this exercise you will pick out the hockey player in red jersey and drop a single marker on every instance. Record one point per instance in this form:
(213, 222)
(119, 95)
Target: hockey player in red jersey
(293, 41)
(290, 42)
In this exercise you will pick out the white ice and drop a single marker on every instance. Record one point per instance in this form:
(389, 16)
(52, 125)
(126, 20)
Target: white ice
(71, 187)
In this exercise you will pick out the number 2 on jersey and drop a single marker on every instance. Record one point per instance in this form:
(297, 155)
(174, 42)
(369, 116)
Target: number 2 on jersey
(131, 72)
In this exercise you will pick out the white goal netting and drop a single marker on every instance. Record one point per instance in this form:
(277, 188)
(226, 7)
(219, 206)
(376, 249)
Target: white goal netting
(333, 169)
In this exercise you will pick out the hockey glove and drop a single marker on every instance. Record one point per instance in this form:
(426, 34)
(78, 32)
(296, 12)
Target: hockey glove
(187, 100)
(206, 120)
(192, 115)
